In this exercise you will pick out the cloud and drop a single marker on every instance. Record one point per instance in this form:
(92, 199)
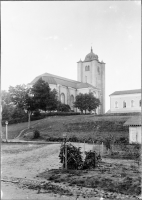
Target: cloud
(69, 46)
(113, 8)
(55, 37)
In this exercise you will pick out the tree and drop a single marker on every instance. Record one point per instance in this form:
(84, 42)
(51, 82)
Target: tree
(22, 97)
(41, 92)
(52, 101)
(5, 97)
(17, 95)
(7, 106)
(86, 102)
(79, 102)
(93, 102)
(63, 107)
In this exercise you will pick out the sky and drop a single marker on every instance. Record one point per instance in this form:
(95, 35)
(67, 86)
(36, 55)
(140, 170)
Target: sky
(52, 36)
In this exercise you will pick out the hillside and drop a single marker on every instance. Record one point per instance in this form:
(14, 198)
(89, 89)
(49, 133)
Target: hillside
(83, 127)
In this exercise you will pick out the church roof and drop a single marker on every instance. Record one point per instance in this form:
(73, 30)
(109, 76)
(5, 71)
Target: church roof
(133, 121)
(84, 85)
(53, 79)
(126, 92)
(91, 56)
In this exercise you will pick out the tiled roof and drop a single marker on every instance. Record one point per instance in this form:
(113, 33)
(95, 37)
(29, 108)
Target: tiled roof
(53, 79)
(126, 92)
(133, 121)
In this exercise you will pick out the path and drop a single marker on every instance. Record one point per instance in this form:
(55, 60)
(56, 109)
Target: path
(20, 165)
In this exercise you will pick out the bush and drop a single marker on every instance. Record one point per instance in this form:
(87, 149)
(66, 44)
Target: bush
(73, 156)
(122, 140)
(36, 113)
(73, 139)
(36, 134)
(91, 160)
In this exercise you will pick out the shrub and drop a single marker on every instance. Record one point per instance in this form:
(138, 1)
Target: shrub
(37, 113)
(36, 134)
(73, 156)
(73, 139)
(91, 160)
(122, 140)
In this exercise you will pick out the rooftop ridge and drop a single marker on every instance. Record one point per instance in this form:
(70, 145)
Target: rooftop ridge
(126, 92)
(59, 77)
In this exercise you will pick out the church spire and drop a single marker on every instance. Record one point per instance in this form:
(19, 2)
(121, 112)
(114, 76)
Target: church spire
(91, 49)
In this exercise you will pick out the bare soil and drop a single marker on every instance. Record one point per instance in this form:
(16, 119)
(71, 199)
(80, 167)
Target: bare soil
(26, 169)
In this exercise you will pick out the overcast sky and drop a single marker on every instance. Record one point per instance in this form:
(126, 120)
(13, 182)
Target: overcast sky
(51, 36)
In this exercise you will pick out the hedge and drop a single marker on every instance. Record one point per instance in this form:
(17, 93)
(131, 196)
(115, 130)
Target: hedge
(41, 116)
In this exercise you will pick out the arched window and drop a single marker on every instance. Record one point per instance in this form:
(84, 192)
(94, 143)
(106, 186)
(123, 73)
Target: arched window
(140, 103)
(98, 70)
(116, 104)
(124, 104)
(62, 98)
(87, 68)
(72, 101)
(132, 103)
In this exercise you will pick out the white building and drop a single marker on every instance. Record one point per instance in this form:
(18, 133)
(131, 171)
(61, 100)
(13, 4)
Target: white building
(90, 78)
(125, 101)
(134, 124)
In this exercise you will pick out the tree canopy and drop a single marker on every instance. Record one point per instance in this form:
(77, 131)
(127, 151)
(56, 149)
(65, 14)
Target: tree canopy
(21, 97)
(44, 98)
(86, 102)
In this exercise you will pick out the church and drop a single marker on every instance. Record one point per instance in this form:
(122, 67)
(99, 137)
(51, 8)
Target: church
(90, 78)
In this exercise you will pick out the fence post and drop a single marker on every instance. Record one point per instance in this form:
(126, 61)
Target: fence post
(66, 156)
(102, 149)
(93, 145)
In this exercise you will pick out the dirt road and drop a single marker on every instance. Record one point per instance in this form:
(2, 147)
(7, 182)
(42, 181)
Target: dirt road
(21, 163)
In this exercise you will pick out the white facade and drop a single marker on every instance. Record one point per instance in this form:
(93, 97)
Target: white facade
(92, 71)
(123, 103)
(135, 134)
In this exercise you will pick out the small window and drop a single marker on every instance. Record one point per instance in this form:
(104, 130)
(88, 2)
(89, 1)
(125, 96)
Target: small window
(132, 103)
(140, 103)
(124, 104)
(87, 68)
(98, 70)
(116, 104)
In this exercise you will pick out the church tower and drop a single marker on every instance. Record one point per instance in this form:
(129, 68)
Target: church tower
(92, 71)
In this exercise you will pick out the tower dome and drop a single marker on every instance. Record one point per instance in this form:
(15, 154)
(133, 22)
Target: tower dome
(91, 56)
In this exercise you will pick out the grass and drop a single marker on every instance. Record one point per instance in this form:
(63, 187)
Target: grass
(15, 129)
(81, 126)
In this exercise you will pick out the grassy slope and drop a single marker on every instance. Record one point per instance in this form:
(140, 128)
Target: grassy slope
(15, 129)
(81, 126)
